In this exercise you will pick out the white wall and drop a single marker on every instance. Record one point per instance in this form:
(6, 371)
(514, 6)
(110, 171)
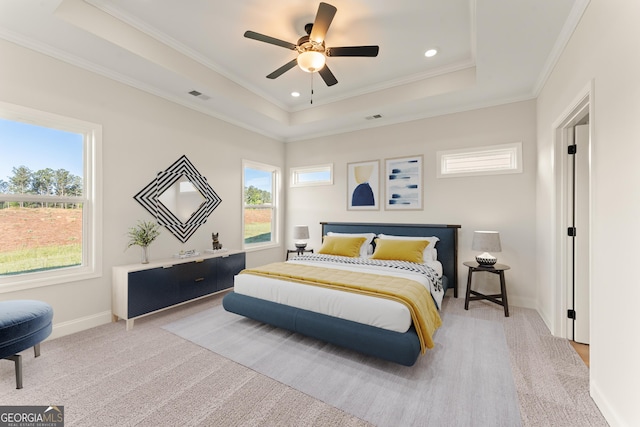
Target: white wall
(603, 50)
(502, 202)
(142, 135)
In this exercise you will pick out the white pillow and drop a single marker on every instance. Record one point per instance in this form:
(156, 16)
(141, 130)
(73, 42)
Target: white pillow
(364, 249)
(430, 252)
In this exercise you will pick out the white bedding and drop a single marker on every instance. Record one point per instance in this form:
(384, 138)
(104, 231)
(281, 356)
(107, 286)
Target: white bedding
(378, 312)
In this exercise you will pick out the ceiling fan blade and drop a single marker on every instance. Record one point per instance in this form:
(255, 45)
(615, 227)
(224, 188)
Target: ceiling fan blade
(327, 76)
(325, 15)
(271, 40)
(286, 67)
(369, 51)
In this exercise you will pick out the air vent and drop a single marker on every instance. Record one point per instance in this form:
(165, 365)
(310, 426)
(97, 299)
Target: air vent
(199, 95)
(374, 117)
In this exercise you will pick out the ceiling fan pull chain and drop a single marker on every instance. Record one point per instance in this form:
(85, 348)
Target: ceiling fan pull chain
(312, 88)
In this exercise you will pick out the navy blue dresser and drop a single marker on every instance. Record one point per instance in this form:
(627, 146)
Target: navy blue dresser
(142, 289)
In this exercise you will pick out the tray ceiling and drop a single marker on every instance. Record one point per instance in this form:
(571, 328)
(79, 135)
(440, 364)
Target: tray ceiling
(490, 52)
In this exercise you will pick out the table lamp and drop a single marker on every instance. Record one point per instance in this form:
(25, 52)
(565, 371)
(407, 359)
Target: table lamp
(300, 234)
(486, 241)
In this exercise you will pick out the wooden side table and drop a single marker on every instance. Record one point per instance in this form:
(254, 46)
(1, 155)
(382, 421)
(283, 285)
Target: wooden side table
(298, 252)
(501, 298)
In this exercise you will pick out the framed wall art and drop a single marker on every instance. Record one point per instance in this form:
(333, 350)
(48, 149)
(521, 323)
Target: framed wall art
(403, 183)
(363, 185)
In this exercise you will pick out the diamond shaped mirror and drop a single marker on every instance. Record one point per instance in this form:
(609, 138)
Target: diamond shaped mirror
(179, 198)
(183, 199)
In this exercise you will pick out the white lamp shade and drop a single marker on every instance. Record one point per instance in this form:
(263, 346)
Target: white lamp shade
(486, 241)
(311, 61)
(300, 232)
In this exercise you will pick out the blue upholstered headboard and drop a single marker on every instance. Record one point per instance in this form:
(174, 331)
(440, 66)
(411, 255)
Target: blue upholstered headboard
(447, 246)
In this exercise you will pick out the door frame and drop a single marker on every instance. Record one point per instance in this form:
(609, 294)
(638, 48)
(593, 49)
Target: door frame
(582, 106)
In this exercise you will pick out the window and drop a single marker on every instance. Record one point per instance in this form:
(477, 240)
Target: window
(312, 175)
(260, 202)
(49, 210)
(491, 160)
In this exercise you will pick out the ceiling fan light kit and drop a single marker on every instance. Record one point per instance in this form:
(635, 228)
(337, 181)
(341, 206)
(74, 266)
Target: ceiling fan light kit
(312, 53)
(311, 61)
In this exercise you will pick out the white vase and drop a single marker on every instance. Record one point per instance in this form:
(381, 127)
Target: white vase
(145, 254)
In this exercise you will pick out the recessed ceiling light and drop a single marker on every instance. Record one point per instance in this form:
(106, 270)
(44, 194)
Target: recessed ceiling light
(430, 53)
(295, 94)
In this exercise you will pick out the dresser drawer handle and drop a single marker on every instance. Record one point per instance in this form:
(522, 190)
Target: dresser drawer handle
(199, 279)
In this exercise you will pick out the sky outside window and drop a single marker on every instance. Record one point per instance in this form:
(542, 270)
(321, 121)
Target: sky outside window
(258, 178)
(37, 147)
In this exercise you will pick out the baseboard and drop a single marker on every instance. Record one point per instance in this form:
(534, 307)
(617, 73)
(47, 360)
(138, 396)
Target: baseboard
(516, 301)
(603, 405)
(76, 325)
(545, 319)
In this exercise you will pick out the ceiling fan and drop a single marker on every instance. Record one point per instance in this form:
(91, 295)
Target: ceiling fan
(312, 52)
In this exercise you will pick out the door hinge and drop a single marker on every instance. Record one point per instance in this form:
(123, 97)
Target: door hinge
(571, 314)
(572, 149)
(571, 231)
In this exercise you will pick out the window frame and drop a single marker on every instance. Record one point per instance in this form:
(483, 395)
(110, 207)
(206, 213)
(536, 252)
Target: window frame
(296, 172)
(514, 150)
(275, 204)
(91, 266)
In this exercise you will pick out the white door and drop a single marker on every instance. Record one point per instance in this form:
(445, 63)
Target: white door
(579, 246)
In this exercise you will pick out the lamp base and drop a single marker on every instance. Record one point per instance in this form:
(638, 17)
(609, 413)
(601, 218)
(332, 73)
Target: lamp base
(301, 245)
(486, 259)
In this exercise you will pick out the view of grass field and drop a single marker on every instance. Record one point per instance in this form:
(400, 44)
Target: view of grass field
(33, 239)
(257, 225)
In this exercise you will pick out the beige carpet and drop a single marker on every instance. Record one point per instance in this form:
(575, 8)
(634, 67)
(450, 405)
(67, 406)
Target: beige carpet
(150, 377)
(551, 380)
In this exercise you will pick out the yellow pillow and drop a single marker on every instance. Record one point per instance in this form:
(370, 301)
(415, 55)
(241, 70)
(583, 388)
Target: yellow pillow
(342, 246)
(401, 250)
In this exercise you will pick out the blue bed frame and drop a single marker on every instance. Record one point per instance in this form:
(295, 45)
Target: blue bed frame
(402, 348)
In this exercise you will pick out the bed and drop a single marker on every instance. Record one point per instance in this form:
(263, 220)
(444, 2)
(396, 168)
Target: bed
(260, 296)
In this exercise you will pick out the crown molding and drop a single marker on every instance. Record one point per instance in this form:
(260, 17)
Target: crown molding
(568, 28)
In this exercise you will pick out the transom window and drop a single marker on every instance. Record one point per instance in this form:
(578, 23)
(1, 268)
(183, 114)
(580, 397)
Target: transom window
(260, 202)
(49, 216)
(311, 175)
(489, 160)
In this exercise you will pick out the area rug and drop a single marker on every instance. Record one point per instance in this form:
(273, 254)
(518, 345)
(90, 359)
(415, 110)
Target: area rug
(464, 380)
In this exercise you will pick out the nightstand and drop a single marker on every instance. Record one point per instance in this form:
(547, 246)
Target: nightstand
(501, 298)
(298, 252)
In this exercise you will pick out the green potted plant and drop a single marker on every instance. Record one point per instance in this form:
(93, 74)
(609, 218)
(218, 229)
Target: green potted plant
(143, 235)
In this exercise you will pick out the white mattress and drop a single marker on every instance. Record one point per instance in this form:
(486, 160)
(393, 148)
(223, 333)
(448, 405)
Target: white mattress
(378, 312)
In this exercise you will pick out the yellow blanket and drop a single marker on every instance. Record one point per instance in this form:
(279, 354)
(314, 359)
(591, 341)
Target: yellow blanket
(408, 292)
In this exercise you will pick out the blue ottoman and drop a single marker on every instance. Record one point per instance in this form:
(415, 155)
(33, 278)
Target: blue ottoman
(23, 324)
